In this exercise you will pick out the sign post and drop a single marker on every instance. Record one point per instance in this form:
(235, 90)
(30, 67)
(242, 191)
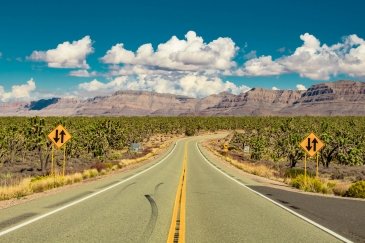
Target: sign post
(311, 145)
(59, 137)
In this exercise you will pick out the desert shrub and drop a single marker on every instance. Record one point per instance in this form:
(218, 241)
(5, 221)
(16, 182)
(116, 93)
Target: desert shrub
(121, 165)
(68, 180)
(93, 173)
(115, 167)
(43, 184)
(190, 131)
(340, 189)
(99, 166)
(108, 165)
(310, 184)
(294, 172)
(59, 181)
(103, 172)
(77, 177)
(356, 190)
(86, 174)
(37, 178)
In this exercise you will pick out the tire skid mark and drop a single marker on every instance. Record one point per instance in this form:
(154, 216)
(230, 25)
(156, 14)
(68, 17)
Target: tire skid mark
(124, 188)
(152, 221)
(69, 199)
(16, 220)
(106, 185)
(157, 187)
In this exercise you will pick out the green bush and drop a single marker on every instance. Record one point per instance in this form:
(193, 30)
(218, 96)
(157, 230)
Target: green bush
(311, 184)
(93, 172)
(356, 190)
(86, 174)
(294, 172)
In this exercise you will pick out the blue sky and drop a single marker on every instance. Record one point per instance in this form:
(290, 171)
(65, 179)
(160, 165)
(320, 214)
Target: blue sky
(260, 44)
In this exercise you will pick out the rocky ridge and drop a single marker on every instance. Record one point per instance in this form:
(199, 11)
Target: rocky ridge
(342, 97)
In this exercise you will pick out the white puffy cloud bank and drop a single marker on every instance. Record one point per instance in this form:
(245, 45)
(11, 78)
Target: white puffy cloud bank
(18, 92)
(193, 67)
(188, 66)
(66, 55)
(313, 60)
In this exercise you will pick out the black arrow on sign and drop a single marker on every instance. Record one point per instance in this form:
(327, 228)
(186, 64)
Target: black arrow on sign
(57, 138)
(309, 147)
(62, 135)
(315, 145)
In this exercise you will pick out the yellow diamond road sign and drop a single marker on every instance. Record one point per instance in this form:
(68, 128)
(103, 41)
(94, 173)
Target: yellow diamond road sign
(59, 136)
(312, 144)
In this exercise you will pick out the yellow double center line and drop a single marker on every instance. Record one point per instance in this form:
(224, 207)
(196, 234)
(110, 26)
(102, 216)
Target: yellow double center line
(177, 227)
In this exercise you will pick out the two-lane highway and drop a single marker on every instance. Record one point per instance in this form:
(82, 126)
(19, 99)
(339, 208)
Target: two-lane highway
(140, 206)
(131, 207)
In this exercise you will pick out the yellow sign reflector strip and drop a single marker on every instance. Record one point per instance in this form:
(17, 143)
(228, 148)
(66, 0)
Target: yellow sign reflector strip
(177, 227)
(59, 136)
(311, 144)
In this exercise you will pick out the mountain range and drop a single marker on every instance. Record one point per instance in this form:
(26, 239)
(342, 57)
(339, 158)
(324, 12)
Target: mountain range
(343, 97)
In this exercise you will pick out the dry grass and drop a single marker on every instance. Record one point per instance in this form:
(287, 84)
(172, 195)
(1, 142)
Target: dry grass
(259, 170)
(39, 184)
(341, 188)
(16, 191)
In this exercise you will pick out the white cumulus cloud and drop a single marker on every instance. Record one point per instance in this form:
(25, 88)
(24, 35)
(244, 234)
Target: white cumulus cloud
(188, 66)
(189, 54)
(274, 88)
(301, 87)
(82, 73)
(66, 55)
(18, 92)
(189, 85)
(313, 60)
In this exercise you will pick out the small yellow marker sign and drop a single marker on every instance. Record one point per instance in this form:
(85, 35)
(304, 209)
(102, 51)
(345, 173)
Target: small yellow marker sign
(312, 144)
(59, 136)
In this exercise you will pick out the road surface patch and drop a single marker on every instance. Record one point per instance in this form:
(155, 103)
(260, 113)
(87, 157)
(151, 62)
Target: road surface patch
(33, 220)
(273, 201)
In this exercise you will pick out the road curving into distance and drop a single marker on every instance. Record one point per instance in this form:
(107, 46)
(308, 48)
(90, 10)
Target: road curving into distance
(183, 197)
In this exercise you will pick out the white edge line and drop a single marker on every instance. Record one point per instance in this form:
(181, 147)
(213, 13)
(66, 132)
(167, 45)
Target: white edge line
(276, 203)
(84, 198)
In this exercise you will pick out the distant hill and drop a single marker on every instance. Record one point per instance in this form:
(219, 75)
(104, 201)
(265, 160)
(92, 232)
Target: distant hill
(342, 97)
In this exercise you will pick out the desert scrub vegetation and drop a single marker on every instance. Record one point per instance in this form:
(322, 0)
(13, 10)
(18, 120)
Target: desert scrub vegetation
(356, 190)
(90, 173)
(310, 184)
(37, 184)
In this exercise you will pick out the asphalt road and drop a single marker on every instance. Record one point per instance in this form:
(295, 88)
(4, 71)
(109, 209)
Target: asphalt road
(137, 206)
